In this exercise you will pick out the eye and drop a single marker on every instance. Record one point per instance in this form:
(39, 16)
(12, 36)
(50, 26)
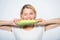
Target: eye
(31, 13)
(25, 14)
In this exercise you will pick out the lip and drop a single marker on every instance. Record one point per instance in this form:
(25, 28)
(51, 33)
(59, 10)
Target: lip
(28, 19)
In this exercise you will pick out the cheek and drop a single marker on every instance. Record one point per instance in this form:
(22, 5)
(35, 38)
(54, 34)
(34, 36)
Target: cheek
(24, 17)
(33, 16)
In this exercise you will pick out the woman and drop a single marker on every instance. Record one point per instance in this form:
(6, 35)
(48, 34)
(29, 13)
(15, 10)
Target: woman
(30, 32)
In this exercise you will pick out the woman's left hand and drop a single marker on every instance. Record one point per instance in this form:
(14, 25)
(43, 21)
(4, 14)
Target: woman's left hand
(41, 21)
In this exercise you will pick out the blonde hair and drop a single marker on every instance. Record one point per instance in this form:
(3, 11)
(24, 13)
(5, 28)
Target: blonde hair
(29, 7)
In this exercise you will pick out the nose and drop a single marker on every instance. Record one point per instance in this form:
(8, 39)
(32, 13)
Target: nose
(28, 16)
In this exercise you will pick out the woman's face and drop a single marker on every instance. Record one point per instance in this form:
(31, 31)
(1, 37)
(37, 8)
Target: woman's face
(28, 14)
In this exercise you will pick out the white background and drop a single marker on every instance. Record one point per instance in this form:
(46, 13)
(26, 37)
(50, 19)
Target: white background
(46, 9)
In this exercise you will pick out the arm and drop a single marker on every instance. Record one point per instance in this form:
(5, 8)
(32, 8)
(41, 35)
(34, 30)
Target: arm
(4, 22)
(48, 27)
(7, 25)
(55, 20)
(8, 28)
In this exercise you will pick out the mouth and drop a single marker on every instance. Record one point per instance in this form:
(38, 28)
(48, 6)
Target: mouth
(28, 19)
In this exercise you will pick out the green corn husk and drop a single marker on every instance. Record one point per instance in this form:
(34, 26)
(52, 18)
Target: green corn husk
(26, 22)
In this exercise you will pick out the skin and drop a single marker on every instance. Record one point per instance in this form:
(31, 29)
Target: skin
(28, 14)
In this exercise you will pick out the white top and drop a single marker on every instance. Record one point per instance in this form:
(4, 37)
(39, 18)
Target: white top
(35, 34)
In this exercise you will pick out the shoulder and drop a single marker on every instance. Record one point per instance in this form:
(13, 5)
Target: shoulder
(15, 29)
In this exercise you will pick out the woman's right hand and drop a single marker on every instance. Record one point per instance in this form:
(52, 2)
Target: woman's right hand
(15, 21)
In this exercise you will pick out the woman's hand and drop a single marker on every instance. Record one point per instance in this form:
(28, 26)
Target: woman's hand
(41, 21)
(15, 21)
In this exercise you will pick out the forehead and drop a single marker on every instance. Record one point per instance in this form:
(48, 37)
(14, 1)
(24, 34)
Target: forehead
(28, 10)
